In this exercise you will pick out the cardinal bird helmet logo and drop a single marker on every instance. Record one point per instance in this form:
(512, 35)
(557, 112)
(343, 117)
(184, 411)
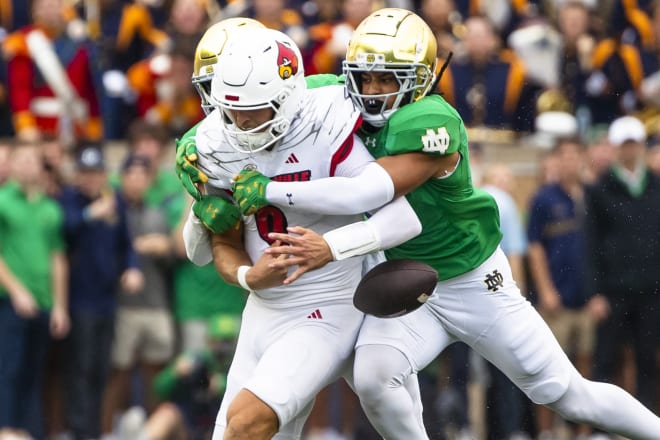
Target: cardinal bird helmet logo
(287, 61)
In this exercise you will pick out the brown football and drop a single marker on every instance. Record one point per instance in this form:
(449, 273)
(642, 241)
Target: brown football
(394, 288)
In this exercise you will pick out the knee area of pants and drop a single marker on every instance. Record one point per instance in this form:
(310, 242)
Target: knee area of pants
(548, 392)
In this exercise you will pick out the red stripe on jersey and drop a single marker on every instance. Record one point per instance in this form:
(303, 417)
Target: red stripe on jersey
(341, 154)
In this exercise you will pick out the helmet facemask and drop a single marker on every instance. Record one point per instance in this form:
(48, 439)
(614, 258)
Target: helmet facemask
(259, 138)
(414, 80)
(202, 84)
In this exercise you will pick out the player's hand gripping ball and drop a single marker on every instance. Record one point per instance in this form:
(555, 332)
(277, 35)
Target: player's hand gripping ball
(217, 214)
(249, 190)
(186, 167)
(394, 288)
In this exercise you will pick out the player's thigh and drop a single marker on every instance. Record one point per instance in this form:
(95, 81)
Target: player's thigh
(295, 367)
(523, 347)
(419, 335)
(127, 338)
(159, 337)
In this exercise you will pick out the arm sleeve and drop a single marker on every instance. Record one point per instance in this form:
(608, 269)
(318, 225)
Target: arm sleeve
(197, 241)
(395, 223)
(392, 225)
(370, 189)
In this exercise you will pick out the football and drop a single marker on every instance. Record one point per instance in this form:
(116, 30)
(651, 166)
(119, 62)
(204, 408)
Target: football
(394, 288)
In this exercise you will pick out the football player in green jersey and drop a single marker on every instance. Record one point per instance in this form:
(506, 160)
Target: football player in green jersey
(421, 148)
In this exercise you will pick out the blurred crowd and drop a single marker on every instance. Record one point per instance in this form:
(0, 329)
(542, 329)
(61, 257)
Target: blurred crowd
(110, 332)
(78, 69)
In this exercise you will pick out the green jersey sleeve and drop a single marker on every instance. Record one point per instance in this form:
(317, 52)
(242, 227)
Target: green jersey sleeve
(429, 126)
(324, 79)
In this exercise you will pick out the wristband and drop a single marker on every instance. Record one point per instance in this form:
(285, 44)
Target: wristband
(240, 276)
(358, 238)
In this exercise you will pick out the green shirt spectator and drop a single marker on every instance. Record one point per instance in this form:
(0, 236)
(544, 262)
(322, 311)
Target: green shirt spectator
(30, 232)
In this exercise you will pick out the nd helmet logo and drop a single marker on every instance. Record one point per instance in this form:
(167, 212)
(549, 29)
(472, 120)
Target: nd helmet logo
(287, 60)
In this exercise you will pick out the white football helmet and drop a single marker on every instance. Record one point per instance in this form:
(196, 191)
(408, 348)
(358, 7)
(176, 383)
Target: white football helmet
(207, 51)
(259, 68)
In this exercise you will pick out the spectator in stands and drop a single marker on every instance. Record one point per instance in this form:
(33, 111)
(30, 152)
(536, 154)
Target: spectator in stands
(164, 93)
(630, 20)
(442, 17)
(188, 19)
(101, 258)
(154, 142)
(600, 156)
(556, 258)
(130, 31)
(33, 289)
(487, 84)
(330, 48)
(190, 388)
(622, 221)
(276, 14)
(144, 329)
(573, 21)
(612, 87)
(50, 80)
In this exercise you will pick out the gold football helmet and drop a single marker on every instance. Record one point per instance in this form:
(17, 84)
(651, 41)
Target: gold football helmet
(396, 41)
(208, 49)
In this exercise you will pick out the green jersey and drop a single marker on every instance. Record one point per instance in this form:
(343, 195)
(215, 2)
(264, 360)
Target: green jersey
(460, 223)
(30, 233)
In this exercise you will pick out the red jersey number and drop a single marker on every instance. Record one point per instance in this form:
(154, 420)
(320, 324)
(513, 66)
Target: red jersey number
(270, 219)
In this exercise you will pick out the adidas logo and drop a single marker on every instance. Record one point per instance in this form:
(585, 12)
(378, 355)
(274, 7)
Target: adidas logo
(316, 314)
(292, 159)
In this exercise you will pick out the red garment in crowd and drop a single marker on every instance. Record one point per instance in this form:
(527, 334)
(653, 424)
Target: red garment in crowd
(31, 99)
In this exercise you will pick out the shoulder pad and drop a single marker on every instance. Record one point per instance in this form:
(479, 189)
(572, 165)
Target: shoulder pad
(429, 126)
(328, 115)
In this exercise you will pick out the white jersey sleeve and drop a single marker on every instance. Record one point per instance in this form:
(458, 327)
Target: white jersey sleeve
(197, 241)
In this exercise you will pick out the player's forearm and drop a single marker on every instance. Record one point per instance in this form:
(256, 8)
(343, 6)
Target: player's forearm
(197, 241)
(229, 255)
(7, 278)
(60, 281)
(539, 269)
(393, 224)
(370, 189)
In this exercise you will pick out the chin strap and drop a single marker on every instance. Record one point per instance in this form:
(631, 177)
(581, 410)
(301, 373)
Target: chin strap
(440, 72)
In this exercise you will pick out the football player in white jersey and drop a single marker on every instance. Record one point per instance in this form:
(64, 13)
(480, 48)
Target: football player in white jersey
(294, 339)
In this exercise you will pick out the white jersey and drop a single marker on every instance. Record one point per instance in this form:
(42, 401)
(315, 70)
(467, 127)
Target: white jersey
(320, 143)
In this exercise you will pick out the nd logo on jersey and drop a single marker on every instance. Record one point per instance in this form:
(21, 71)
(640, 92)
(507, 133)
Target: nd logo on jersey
(436, 142)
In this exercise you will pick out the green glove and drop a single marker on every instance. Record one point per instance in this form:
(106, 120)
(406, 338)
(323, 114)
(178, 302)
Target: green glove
(217, 214)
(250, 191)
(186, 169)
